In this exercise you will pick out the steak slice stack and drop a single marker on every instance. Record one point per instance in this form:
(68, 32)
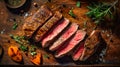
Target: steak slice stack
(37, 20)
(59, 35)
(55, 32)
(68, 47)
(44, 29)
(91, 44)
(65, 36)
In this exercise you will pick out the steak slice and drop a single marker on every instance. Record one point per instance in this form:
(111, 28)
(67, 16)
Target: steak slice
(91, 44)
(65, 36)
(78, 52)
(52, 21)
(68, 47)
(37, 20)
(55, 31)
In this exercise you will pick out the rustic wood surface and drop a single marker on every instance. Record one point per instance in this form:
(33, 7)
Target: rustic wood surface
(7, 19)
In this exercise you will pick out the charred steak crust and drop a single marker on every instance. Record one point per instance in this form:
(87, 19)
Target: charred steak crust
(37, 20)
(91, 44)
(47, 26)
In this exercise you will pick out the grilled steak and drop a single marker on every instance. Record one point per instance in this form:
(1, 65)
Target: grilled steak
(37, 20)
(91, 44)
(68, 47)
(58, 29)
(52, 21)
(65, 36)
(78, 52)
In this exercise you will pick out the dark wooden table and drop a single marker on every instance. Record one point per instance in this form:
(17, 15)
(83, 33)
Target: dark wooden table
(7, 19)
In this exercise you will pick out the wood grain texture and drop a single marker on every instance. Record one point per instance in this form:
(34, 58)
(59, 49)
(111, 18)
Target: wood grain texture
(112, 39)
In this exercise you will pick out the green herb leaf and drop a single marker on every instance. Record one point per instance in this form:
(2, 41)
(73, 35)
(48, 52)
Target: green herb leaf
(98, 11)
(18, 39)
(15, 25)
(23, 48)
(71, 13)
(33, 48)
(33, 53)
(78, 4)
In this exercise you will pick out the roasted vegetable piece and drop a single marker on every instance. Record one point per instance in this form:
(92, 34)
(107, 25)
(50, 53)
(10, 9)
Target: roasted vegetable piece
(36, 59)
(14, 53)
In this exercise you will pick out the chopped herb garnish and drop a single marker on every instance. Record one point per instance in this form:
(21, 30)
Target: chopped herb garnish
(71, 13)
(33, 48)
(46, 56)
(78, 4)
(98, 11)
(23, 48)
(18, 39)
(15, 25)
(33, 53)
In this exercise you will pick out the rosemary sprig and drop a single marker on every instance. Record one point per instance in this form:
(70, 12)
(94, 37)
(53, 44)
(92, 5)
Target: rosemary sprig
(98, 11)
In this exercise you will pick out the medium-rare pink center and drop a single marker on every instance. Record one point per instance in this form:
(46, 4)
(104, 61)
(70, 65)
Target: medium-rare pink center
(78, 53)
(76, 39)
(55, 31)
(69, 31)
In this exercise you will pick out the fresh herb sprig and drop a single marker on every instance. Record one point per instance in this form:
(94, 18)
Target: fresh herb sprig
(20, 40)
(98, 11)
(33, 53)
(33, 50)
(23, 48)
(24, 44)
(15, 25)
(71, 13)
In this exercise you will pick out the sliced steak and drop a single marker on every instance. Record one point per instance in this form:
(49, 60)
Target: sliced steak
(68, 47)
(91, 44)
(58, 29)
(52, 21)
(37, 20)
(65, 36)
(78, 52)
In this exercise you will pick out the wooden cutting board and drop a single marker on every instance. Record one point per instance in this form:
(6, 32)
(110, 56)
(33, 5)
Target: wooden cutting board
(7, 19)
